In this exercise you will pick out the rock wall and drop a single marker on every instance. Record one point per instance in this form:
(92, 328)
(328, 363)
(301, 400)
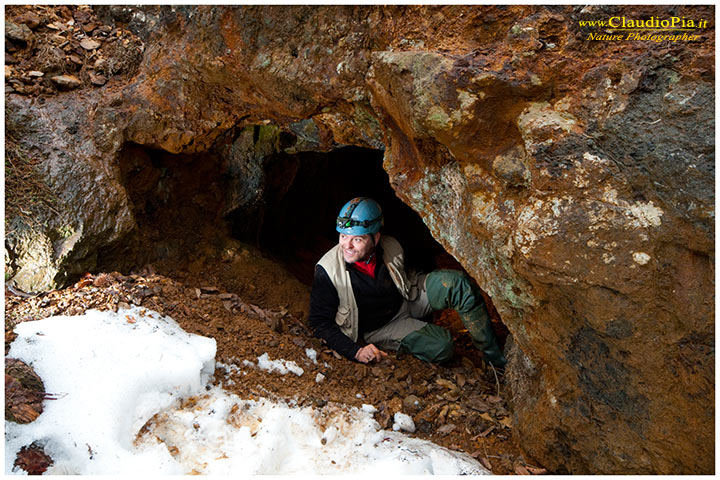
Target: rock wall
(573, 178)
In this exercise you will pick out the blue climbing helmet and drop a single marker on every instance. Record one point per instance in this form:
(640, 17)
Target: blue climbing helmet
(360, 216)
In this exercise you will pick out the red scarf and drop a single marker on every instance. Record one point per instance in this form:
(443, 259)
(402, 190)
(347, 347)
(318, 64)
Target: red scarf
(367, 266)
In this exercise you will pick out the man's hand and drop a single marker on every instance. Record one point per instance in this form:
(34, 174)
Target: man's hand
(369, 353)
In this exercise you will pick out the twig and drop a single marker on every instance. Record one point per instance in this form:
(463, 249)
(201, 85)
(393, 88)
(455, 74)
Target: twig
(487, 458)
(497, 382)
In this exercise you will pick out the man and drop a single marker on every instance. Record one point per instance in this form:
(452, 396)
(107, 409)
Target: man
(363, 301)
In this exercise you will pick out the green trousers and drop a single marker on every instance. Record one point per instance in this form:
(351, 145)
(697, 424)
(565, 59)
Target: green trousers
(441, 289)
(454, 289)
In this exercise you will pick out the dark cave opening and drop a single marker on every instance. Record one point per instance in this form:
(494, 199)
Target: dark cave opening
(176, 200)
(304, 193)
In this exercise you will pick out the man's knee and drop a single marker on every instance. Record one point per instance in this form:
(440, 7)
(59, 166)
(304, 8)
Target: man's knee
(431, 343)
(451, 289)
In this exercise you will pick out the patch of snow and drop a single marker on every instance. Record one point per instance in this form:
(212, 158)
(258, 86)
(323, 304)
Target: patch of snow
(280, 366)
(112, 376)
(121, 411)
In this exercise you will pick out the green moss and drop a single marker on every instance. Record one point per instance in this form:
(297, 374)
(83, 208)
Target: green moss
(437, 118)
(267, 134)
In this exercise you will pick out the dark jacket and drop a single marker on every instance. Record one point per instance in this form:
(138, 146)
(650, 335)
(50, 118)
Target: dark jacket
(378, 301)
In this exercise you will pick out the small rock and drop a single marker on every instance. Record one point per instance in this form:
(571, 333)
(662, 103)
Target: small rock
(9, 59)
(66, 81)
(31, 19)
(19, 33)
(75, 59)
(8, 71)
(89, 44)
(98, 80)
(123, 306)
(58, 39)
(411, 404)
(82, 16)
(35, 74)
(89, 27)
(17, 86)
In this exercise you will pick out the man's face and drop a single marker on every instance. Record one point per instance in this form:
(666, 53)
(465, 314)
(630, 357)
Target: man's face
(356, 247)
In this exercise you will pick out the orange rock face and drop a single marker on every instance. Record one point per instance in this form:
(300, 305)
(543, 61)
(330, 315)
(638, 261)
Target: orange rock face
(568, 166)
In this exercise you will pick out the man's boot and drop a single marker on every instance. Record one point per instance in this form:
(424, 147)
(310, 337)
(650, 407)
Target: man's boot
(480, 329)
(453, 289)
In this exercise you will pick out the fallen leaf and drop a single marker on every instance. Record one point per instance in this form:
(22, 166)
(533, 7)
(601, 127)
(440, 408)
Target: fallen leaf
(476, 403)
(443, 413)
(446, 383)
(486, 463)
(536, 470)
(506, 422)
(466, 362)
(486, 416)
(486, 432)
(445, 429)
(33, 460)
(452, 395)
(24, 413)
(520, 470)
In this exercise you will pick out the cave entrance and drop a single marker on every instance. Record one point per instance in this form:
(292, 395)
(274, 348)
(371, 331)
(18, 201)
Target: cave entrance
(185, 231)
(303, 195)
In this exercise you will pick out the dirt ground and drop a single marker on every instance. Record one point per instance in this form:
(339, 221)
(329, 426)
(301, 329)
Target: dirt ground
(250, 305)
